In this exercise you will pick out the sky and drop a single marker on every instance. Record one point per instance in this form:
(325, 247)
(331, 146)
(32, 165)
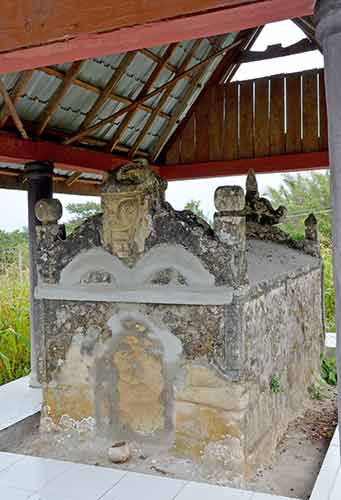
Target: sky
(13, 204)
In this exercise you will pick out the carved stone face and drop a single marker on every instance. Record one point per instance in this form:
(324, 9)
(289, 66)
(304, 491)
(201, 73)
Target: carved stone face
(125, 223)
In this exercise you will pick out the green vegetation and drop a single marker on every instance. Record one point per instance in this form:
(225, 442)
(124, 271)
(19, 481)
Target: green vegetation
(328, 370)
(275, 384)
(301, 195)
(14, 326)
(80, 212)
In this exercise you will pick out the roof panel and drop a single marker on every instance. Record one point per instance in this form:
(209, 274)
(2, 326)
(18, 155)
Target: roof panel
(97, 72)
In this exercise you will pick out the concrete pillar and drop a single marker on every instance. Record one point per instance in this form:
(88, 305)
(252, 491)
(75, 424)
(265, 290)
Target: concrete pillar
(230, 225)
(40, 185)
(328, 31)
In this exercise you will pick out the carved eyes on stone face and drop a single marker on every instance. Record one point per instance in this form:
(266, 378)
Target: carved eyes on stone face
(127, 212)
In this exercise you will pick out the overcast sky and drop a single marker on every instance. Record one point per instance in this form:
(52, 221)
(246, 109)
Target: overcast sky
(13, 204)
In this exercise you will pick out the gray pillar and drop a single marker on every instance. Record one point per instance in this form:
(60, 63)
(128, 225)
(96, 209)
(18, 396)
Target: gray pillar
(40, 185)
(328, 19)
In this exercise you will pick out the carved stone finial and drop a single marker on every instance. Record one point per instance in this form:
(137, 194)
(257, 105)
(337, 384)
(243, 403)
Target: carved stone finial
(48, 211)
(311, 228)
(129, 196)
(251, 184)
(229, 198)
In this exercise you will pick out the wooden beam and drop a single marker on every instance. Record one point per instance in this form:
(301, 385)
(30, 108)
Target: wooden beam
(77, 159)
(269, 164)
(57, 97)
(105, 93)
(96, 90)
(34, 34)
(17, 92)
(82, 187)
(152, 79)
(13, 112)
(163, 100)
(274, 51)
(148, 96)
(308, 29)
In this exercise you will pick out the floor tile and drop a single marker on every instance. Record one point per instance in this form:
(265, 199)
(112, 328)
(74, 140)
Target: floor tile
(8, 459)
(18, 401)
(32, 473)
(265, 496)
(203, 491)
(336, 490)
(13, 494)
(147, 486)
(81, 482)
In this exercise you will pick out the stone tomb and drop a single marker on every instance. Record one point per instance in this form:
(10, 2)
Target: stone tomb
(156, 327)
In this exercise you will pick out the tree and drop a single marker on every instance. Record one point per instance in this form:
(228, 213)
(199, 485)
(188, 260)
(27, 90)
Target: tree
(80, 212)
(195, 207)
(301, 195)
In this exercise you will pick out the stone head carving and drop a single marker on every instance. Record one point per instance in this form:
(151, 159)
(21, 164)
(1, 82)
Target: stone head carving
(129, 196)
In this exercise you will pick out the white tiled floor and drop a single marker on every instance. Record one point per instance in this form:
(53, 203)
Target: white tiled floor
(328, 483)
(20, 401)
(32, 478)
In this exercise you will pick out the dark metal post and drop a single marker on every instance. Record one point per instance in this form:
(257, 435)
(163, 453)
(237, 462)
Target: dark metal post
(40, 185)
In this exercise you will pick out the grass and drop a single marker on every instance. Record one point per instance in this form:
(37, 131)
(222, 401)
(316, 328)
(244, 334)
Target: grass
(14, 326)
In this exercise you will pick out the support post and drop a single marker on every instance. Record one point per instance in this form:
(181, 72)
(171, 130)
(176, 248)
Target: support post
(39, 176)
(328, 31)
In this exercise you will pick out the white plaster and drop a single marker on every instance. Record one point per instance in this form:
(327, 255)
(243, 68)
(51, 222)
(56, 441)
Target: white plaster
(133, 284)
(158, 258)
(98, 292)
(95, 259)
(176, 257)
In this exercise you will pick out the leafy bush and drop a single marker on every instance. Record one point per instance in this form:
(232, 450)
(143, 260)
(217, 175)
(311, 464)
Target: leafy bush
(328, 370)
(14, 326)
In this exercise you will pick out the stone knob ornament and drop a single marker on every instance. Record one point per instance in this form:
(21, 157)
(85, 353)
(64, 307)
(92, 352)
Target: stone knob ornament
(48, 211)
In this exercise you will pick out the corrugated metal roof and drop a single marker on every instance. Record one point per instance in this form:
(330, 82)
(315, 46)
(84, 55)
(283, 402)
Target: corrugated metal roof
(82, 94)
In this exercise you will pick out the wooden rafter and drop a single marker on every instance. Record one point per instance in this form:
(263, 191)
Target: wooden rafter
(96, 90)
(13, 112)
(143, 92)
(308, 28)
(61, 91)
(157, 59)
(17, 92)
(105, 94)
(148, 96)
(163, 100)
(274, 51)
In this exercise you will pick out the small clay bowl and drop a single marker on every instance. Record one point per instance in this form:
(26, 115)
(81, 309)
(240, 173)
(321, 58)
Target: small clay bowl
(119, 452)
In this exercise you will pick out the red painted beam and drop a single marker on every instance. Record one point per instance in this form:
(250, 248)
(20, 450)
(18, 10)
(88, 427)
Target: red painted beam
(266, 165)
(19, 151)
(57, 31)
